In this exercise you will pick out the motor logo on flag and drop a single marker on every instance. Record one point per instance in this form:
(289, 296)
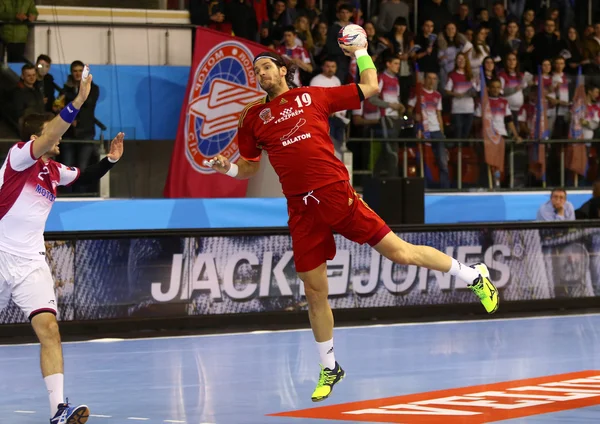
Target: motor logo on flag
(224, 84)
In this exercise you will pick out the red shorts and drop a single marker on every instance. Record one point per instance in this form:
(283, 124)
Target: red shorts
(315, 216)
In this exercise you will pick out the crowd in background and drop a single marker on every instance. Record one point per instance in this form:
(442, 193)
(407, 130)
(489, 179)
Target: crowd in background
(515, 43)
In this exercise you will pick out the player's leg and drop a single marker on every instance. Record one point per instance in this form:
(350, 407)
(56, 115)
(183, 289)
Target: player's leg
(362, 225)
(313, 245)
(33, 292)
(477, 277)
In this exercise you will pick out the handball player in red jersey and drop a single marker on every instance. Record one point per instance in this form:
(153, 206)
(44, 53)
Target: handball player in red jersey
(291, 124)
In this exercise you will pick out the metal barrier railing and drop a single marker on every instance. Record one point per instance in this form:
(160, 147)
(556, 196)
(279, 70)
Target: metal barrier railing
(510, 147)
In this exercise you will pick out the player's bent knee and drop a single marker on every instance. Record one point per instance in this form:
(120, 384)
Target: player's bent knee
(45, 326)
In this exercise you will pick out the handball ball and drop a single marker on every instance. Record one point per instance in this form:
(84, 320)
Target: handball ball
(352, 36)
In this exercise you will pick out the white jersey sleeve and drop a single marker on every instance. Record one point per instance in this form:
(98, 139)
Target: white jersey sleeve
(21, 156)
(68, 174)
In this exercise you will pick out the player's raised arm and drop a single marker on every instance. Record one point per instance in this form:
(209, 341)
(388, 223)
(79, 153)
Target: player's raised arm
(368, 84)
(59, 125)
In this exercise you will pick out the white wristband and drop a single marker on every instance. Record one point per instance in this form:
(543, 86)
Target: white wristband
(112, 160)
(360, 53)
(233, 170)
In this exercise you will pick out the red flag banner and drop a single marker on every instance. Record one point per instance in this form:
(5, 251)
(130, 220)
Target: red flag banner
(493, 142)
(576, 154)
(220, 85)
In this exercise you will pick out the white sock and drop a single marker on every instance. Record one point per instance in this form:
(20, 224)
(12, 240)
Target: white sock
(464, 272)
(55, 385)
(326, 354)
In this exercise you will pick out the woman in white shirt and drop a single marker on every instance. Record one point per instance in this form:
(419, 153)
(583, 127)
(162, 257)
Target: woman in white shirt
(460, 87)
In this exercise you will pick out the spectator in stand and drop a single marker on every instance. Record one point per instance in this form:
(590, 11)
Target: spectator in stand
(266, 39)
(388, 101)
(402, 46)
(45, 81)
(428, 53)
(461, 88)
(332, 49)
(502, 120)
(290, 14)
(574, 47)
(84, 127)
(591, 208)
(479, 51)
(378, 45)
(304, 33)
(450, 43)
(295, 54)
(489, 68)
(463, 20)
(432, 122)
(14, 35)
(513, 82)
(528, 18)
(558, 208)
(210, 14)
(510, 42)
(499, 19)
(27, 98)
(546, 44)
(591, 51)
(320, 40)
(338, 120)
(277, 21)
(313, 14)
(242, 17)
(549, 89)
(561, 126)
(516, 7)
(389, 12)
(437, 12)
(591, 122)
(526, 57)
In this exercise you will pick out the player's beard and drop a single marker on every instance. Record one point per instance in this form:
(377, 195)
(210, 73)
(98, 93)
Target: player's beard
(272, 86)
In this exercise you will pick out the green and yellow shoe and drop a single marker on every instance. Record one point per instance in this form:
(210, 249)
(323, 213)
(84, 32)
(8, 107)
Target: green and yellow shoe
(327, 379)
(485, 290)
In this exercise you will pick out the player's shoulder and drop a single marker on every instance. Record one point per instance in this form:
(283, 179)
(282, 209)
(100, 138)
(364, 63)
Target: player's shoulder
(249, 108)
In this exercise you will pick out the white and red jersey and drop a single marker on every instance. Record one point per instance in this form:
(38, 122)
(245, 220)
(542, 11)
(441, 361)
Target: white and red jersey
(527, 114)
(549, 91)
(296, 52)
(458, 83)
(500, 111)
(431, 102)
(513, 81)
(593, 117)
(27, 193)
(562, 90)
(368, 111)
(389, 89)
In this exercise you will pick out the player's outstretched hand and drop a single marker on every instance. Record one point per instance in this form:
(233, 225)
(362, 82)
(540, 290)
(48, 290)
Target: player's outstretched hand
(349, 50)
(85, 85)
(219, 163)
(116, 147)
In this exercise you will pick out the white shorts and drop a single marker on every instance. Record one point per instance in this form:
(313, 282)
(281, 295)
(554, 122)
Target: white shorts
(30, 283)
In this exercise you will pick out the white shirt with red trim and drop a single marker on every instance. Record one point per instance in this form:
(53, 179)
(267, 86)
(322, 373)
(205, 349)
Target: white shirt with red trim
(27, 193)
(297, 52)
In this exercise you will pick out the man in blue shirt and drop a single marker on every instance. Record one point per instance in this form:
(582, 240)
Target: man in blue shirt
(557, 208)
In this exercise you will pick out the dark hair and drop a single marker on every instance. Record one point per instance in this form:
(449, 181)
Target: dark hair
(555, 189)
(346, 6)
(289, 28)
(76, 63)
(43, 57)
(279, 62)
(495, 79)
(27, 66)
(328, 59)
(33, 124)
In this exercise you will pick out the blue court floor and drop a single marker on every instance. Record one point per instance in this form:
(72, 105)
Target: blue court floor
(240, 378)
